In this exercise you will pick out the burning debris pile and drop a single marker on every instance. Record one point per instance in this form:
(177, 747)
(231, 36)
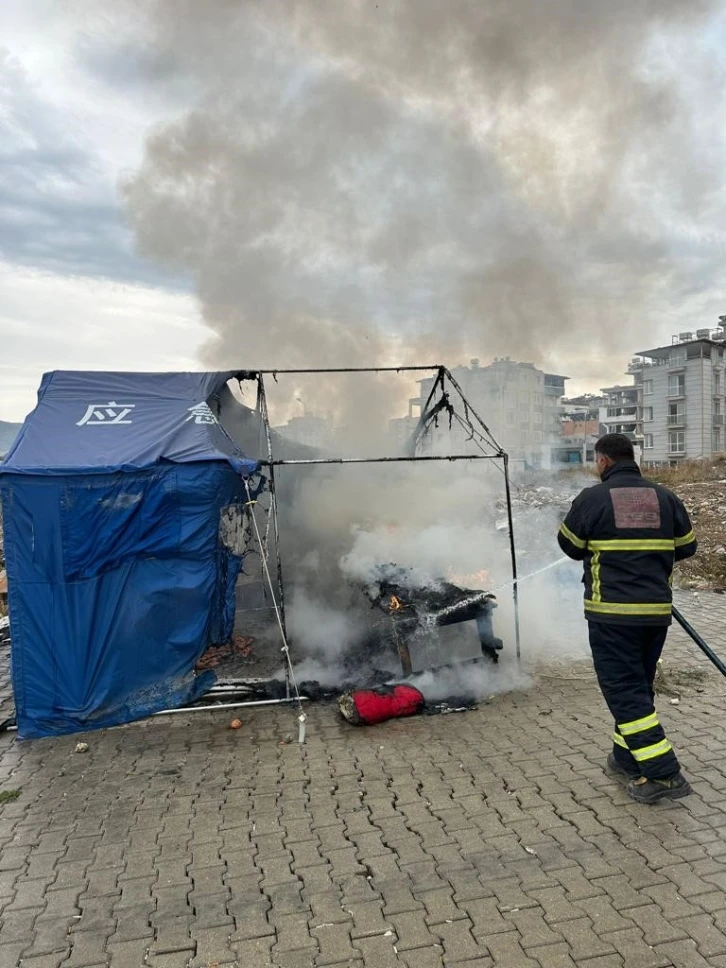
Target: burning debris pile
(372, 659)
(537, 512)
(416, 610)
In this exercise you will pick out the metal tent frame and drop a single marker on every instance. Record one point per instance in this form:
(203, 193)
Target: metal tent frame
(445, 384)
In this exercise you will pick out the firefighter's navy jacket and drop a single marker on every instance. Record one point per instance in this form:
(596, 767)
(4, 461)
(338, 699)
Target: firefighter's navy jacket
(628, 532)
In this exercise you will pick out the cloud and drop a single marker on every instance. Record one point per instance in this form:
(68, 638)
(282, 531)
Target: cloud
(75, 293)
(59, 209)
(51, 322)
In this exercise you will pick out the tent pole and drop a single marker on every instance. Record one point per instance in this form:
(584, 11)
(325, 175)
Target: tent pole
(513, 553)
(262, 399)
(380, 460)
(489, 435)
(224, 705)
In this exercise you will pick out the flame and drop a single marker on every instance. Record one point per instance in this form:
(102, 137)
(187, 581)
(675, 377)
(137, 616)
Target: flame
(395, 604)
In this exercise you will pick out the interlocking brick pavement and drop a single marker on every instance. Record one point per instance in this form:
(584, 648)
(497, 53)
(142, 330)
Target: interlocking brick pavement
(491, 838)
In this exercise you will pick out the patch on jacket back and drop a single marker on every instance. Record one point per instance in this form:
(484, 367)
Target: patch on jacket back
(635, 507)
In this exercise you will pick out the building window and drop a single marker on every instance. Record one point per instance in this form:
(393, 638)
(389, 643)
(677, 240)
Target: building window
(648, 441)
(538, 435)
(676, 414)
(510, 418)
(538, 416)
(716, 443)
(717, 383)
(647, 387)
(538, 399)
(647, 413)
(677, 385)
(676, 442)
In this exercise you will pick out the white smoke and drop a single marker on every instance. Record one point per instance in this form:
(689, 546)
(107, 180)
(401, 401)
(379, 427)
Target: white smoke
(449, 526)
(469, 682)
(319, 630)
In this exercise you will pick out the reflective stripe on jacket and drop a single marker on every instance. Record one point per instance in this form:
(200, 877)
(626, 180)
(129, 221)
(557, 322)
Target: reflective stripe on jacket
(628, 532)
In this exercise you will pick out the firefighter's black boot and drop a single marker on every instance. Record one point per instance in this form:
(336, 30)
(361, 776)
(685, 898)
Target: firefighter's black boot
(650, 791)
(620, 771)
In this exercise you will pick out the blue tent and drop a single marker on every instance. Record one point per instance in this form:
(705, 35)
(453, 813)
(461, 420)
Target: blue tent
(122, 505)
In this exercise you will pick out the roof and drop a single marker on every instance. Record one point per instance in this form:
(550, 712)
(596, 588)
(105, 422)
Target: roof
(659, 351)
(631, 387)
(100, 422)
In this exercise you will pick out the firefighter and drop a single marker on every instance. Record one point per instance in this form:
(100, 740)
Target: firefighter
(628, 532)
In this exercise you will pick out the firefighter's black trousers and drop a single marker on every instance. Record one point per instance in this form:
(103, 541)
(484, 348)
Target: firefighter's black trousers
(625, 658)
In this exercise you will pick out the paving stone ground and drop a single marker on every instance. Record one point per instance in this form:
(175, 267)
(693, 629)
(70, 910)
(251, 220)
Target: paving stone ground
(487, 838)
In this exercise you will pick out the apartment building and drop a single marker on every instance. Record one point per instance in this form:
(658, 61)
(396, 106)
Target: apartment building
(621, 410)
(401, 429)
(310, 430)
(680, 390)
(581, 426)
(519, 403)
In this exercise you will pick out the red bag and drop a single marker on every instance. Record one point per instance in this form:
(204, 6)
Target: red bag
(366, 707)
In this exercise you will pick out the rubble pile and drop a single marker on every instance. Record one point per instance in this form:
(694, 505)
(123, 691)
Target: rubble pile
(538, 512)
(706, 504)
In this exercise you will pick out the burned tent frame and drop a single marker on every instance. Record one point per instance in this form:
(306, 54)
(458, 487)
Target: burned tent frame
(438, 402)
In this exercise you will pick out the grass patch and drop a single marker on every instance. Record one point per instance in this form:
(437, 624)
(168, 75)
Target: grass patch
(7, 796)
(689, 472)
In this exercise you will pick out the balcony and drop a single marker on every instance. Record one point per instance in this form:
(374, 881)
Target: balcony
(718, 420)
(626, 416)
(677, 419)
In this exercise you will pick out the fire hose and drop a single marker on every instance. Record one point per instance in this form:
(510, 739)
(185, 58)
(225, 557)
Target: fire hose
(699, 640)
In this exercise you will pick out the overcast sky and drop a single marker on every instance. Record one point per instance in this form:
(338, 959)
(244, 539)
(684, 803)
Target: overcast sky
(79, 97)
(73, 294)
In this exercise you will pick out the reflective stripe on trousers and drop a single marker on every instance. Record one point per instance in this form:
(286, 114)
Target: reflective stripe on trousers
(625, 658)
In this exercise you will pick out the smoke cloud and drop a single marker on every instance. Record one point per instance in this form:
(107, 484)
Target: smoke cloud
(359, 183)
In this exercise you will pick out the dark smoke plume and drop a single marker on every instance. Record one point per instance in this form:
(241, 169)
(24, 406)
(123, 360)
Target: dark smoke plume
(361, 182)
